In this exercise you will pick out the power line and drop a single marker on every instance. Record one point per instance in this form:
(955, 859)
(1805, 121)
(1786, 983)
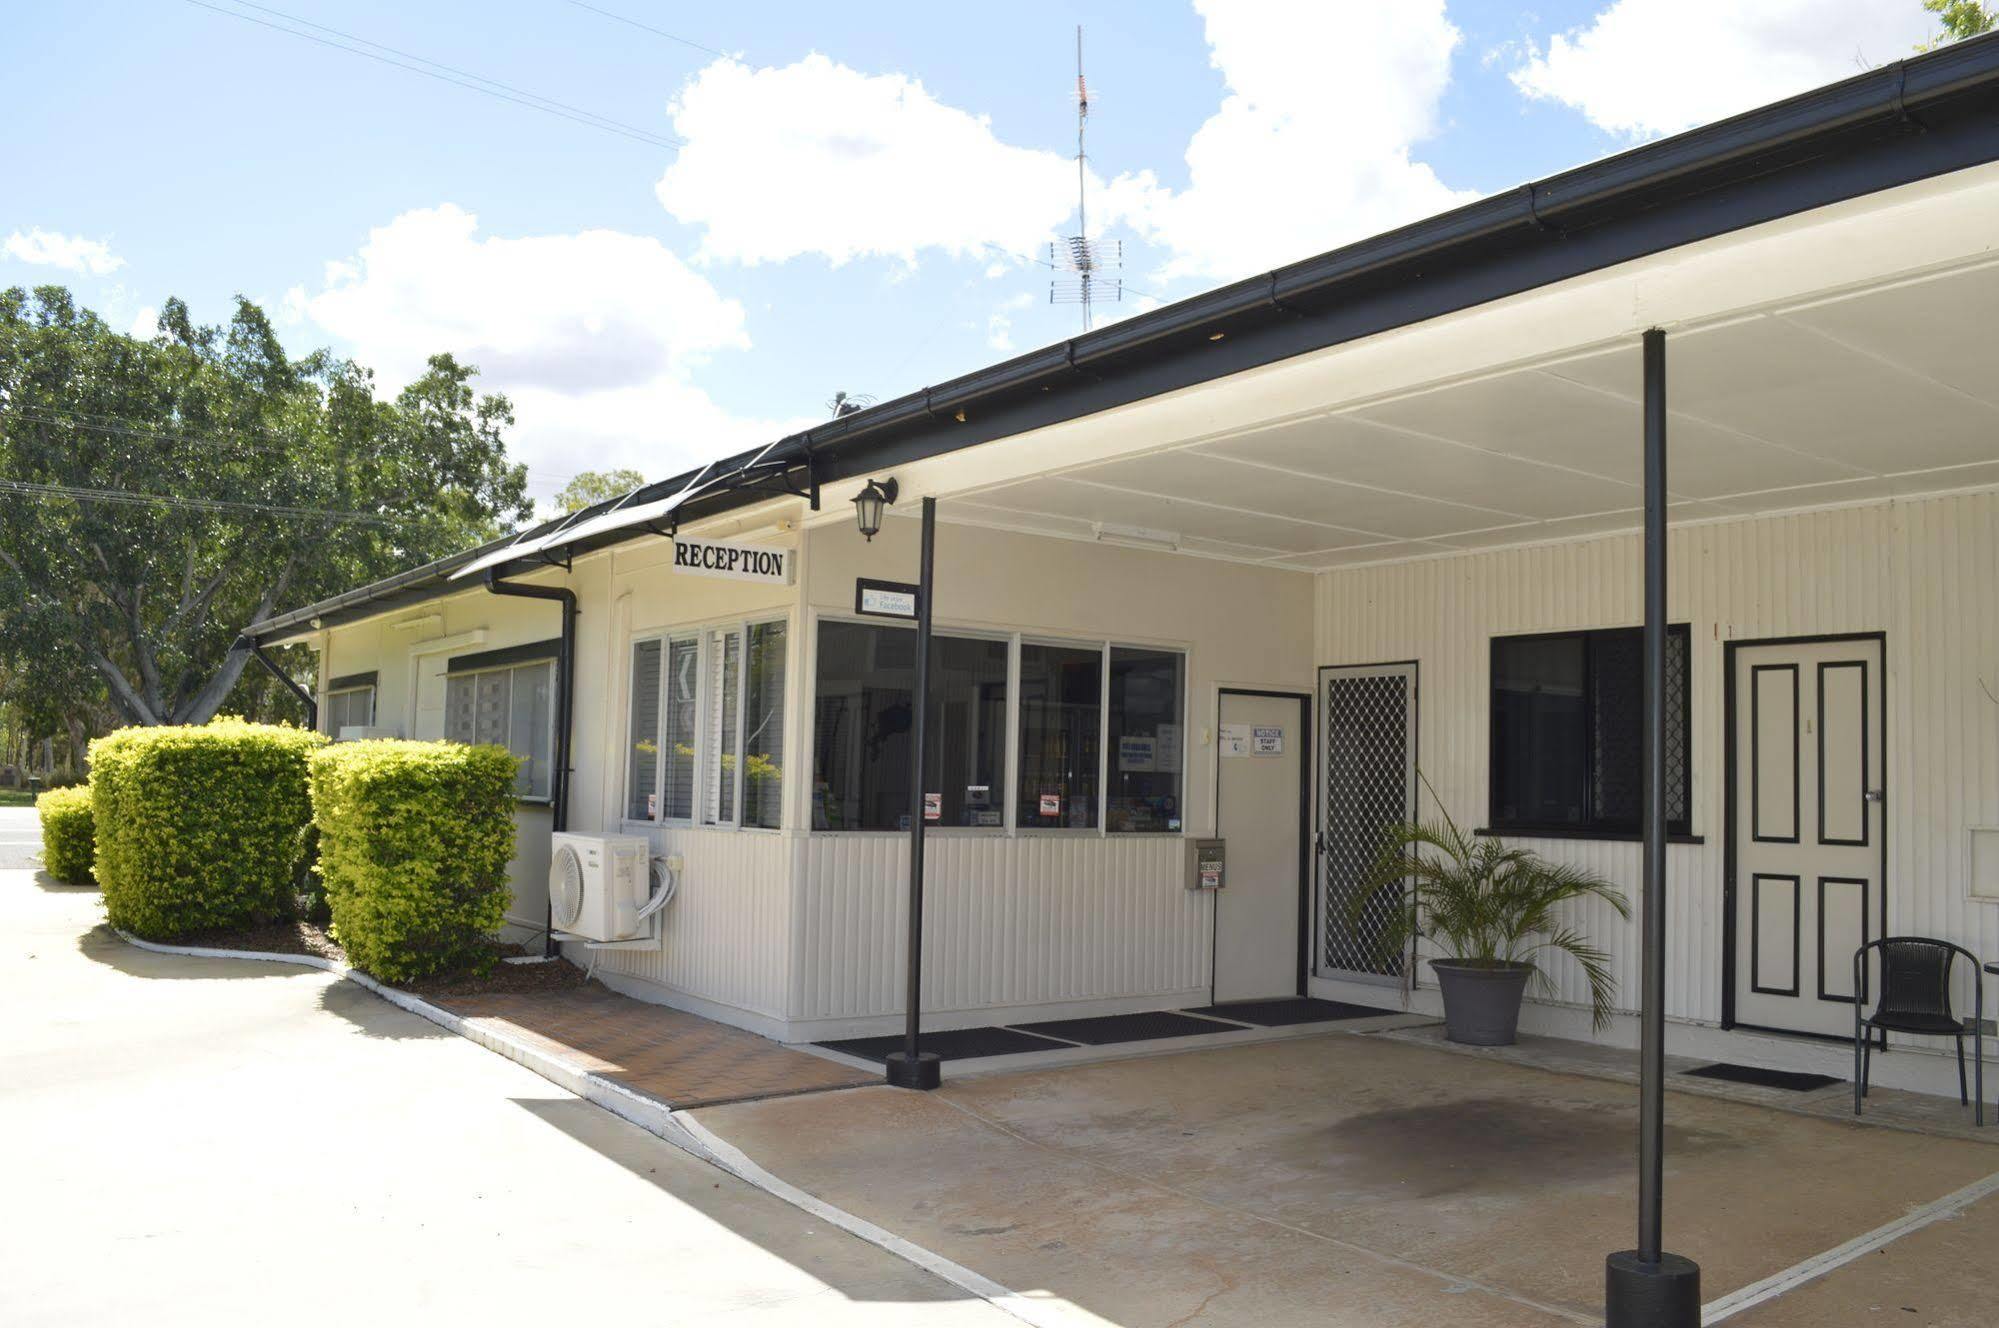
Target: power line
(131, 498)
(109, 424)
(647, 27)
(445, 74)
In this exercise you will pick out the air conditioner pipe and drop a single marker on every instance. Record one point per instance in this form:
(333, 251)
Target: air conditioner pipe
(565, 695)
(305, 698)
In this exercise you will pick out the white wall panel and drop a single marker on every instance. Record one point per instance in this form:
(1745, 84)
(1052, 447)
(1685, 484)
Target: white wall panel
(1924, 571)
(727, 931)
(1032, 920)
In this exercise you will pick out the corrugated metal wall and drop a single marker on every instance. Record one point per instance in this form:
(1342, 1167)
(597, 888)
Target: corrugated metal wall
(1925, 571)
(726, 930)
(1036, 919)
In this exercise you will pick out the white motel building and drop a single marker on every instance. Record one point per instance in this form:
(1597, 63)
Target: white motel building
(1342, 544)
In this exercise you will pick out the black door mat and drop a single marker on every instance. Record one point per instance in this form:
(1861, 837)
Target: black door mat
(1128, 1027)
(1289, 1010)
(956, 1044)
(1795, 1081)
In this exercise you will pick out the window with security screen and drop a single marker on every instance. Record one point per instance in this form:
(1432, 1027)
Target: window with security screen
(1568, 732)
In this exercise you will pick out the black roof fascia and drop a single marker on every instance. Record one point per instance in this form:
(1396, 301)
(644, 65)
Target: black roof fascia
(1890, 126)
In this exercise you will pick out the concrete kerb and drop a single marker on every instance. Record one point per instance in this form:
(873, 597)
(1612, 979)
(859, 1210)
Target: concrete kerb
(662, 1121)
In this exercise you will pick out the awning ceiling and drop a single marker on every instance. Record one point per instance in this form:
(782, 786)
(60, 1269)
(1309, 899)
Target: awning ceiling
(1837, 388)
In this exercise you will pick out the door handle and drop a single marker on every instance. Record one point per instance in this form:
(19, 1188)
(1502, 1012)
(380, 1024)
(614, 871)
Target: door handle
(1876, 795)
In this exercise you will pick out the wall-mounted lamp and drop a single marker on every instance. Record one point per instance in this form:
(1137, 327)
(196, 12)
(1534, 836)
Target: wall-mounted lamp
(868, 505)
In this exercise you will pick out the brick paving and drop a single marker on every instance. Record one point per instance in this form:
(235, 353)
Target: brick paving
(679, 1058)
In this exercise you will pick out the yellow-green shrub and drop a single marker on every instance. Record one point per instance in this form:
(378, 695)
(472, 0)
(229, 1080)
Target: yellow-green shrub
(414, 841)
(197, 827)
(66, 834)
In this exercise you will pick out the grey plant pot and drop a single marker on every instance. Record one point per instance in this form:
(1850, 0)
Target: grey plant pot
(1481, 1001)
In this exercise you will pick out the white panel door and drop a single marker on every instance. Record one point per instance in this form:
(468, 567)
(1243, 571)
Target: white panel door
(1808, 822)
(1260, 817)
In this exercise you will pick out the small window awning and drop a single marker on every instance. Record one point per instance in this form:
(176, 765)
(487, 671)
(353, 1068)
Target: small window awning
(761, 467)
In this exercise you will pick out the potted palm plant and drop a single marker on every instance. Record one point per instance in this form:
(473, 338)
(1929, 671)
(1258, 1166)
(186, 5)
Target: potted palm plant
(1490, 909)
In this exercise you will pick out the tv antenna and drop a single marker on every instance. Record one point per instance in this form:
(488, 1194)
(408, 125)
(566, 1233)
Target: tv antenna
(1092, 266)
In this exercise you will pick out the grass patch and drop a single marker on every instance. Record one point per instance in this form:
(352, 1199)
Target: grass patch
(16, 798)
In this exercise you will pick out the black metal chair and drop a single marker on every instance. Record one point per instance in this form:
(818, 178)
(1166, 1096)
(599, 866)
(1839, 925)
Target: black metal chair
(1915, 998)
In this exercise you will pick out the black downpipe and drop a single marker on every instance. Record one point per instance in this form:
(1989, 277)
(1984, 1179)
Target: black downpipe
(305, 698)
(565, 698)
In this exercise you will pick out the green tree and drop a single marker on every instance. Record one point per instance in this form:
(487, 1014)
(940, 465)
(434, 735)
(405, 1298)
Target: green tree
(1960, 19)
(158, 495)
(597, 486)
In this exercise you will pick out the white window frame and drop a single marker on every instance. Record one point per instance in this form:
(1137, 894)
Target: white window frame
(1012, 829)
(555, 691)
(704, 636)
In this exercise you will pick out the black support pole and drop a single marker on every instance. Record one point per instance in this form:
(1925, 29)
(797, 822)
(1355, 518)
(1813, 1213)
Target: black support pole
(913, 1067)
(1646, 1287)
(305, 698)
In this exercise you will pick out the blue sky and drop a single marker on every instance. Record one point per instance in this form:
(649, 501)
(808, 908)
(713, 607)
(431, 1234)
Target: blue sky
(853, 189)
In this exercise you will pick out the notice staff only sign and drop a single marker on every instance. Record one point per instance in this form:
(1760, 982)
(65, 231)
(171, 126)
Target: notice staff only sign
(734, 562)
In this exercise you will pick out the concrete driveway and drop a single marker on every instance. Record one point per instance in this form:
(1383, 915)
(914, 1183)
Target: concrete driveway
(20, 836)
(218, 1142)
(1364, 1183)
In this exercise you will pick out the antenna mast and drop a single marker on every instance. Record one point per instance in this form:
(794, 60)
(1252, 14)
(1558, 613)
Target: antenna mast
(1083, 257)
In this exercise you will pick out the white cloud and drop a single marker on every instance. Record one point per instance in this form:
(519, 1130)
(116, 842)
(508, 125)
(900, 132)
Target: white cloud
(818, 158)
(71, 253)
(1311, 145)
(999, 324)
(594, 335)
(146, 323)
(1646, 67)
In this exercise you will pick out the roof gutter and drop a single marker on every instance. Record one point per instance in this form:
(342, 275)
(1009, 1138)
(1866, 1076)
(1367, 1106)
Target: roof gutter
(1900, 123)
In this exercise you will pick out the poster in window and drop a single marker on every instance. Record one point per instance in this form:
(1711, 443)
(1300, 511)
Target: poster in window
(933, 806)
(1051, 804)
(1137, 753)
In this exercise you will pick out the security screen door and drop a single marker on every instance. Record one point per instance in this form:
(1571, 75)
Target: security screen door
(1367, 716)
(1808, 823)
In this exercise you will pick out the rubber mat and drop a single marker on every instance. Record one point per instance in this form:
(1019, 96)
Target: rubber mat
(956, 1044)
(1290, 1010)
(1128, 1027)
(1795, 1081)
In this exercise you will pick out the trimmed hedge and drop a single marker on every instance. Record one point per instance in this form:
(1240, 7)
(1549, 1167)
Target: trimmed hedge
(414, 841)
(67, 834)
(197, 827)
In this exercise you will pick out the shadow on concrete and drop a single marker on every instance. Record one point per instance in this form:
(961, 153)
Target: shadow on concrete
(859, 1271)
(371, 1016)
(104, 946)
(44, 881)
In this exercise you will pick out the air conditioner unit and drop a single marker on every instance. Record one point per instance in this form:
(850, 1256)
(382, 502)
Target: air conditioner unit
(597, 884)
(357, 732)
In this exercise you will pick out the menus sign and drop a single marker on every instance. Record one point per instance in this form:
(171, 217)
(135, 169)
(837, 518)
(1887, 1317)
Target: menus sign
(732, 562)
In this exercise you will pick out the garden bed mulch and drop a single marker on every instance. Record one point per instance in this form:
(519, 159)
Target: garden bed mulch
(299, 938)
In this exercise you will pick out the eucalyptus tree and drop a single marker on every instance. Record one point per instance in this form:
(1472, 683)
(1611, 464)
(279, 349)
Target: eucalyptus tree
(157, 494)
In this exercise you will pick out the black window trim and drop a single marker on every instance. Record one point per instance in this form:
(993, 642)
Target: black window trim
(1017, 638)
(1677, 832)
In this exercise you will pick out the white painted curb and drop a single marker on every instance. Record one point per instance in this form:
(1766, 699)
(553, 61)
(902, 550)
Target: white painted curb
(662, 1121)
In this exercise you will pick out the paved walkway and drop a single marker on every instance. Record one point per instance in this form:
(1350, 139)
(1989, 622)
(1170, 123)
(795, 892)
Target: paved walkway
(221, 1142)
(680, 1059)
